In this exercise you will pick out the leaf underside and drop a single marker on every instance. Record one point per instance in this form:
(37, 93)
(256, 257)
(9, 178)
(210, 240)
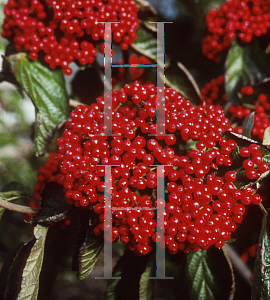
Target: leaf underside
(47, 90)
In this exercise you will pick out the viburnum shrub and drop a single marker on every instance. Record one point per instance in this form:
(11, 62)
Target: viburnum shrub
(65, 31)
(204, 174)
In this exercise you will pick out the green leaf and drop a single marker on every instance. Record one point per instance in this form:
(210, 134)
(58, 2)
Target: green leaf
(207, 5)
(261, 274)
(89, 253)
(130, 268)
(88, 246)
(246, 65)
(31, 271)
(47, 90)
(206, 280)
(248, 124)
(266, 137)
(16, 270)
(147, 285)
(53, 205)
(146, 41)
(200, 275)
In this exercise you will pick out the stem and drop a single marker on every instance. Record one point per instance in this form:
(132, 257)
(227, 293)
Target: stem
(19, 208)
(146, 5)
(73, 103)
(232, 272)
(238, 264)
(190, 78)
(264, 211)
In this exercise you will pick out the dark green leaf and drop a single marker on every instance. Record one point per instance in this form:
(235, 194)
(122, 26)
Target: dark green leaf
(47, 90)
(15, 273)
(200, 275)
(206, 280)
(89, 253)
(88, 246)
(248, 124)
(246, 65)
(31, 271)
(146, 41)
(261, 274)
(130, 268)
(207, 5)
(18, 187)
(265, 293)
(147, 285)
(53, 206)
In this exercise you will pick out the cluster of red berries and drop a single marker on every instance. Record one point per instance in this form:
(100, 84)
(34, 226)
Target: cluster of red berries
(253, 163)
(261, 119)
(67, 31)
(213, 91)
(242, 19)
(202, 208)
(48, 172)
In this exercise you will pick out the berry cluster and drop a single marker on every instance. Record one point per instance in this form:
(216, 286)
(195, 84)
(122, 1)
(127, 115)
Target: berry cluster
(48, 172)
(242, 19)
(202, 206)
(261, 119)
(253, 163)
(214, 91)
(65, 31)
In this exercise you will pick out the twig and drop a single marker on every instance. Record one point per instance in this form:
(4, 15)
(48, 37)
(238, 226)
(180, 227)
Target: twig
(232, 272)
(262, 208)
(149, 27)
(191, 79)
(238, 264)
(73, 103)
(142, 52)
(265, 174)
(19, 208)
(146, 5)
(170, 85)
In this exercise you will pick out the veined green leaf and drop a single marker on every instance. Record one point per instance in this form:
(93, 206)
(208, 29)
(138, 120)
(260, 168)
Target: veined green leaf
(206, 280)
(89, 253)
(15, 273)
(47, 90)
(202, 280)
(146, 41)
(246, 65)
(261, 274)
(30, 276)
